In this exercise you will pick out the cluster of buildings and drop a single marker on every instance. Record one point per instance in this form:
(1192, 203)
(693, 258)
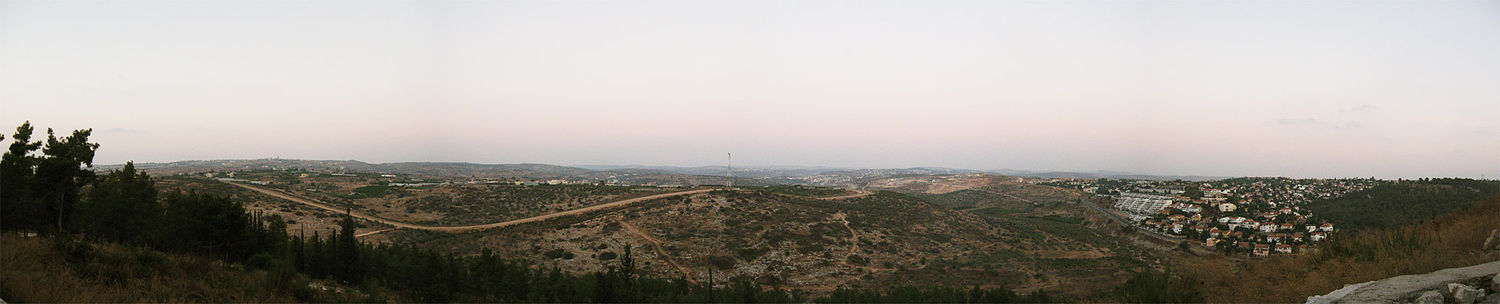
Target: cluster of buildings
(1254, 216)
(1141, 203)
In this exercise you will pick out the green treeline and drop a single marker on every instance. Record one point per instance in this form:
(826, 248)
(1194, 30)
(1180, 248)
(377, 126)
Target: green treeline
(1406, 202)
(53, 193)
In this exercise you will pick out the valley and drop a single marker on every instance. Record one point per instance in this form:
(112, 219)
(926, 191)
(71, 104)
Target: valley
(958, 230)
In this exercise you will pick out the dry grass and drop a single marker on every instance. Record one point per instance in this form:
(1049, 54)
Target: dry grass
(34, 270)
(1450, 241)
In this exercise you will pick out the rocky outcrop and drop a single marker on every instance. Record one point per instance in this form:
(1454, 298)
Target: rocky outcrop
(1466, 285)
(1493, 242)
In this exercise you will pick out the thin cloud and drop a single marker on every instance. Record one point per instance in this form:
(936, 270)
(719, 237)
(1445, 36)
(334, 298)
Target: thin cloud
(1361, 108)
(1296, 121)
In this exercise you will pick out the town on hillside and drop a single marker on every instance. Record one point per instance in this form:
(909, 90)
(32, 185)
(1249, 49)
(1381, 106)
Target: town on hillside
(1252, 216)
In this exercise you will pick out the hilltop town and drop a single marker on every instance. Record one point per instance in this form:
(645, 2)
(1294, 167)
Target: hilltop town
(1254, 216)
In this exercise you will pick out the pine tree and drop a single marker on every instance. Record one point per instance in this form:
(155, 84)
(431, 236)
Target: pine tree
(19, 208)
(122, 206)
(346, 251)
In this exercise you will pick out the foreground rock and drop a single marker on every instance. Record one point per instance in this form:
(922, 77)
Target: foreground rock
(1464, 294)
(1453, 285)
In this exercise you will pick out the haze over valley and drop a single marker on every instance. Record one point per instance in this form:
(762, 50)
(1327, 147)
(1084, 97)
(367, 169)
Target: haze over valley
(947, 151)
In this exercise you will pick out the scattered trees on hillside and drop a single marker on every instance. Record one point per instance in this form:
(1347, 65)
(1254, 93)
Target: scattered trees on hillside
(46, 193)
(1396, 204)
(42, 191)
(122, 206)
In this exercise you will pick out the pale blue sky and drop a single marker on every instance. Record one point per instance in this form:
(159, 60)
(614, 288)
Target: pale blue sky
(1285, 88)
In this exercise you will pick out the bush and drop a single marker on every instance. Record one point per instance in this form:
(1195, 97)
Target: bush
(722, 262)
(73, 249)
(262, 261)
(559, 254)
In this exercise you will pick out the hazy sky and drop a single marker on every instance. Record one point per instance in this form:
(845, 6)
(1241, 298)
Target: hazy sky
(1283, 88)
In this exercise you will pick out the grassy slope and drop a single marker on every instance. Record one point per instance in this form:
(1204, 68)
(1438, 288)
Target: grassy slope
(42, 270)
(37, 271)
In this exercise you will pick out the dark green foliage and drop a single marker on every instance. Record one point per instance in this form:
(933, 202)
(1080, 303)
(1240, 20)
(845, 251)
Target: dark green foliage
(1158, 287)
(1193, 192)
(370, 191)
(61, 174)
(18, 207)
(967, 198)
(935, 294)
(502, 201)
(1396, 204)
(122, 206)
(801, 190)
(208, 225)
(559, 254)
(41, 193)
(607, 255)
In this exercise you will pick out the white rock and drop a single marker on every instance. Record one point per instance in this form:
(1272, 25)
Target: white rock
(1336, 294)
(1494, 298)
(1495, 284)
(1465, 294)
(1430, 297)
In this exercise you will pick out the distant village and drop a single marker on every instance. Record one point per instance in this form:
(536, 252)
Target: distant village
(1254, 216)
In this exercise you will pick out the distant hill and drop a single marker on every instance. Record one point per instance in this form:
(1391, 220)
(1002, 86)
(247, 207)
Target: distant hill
(746, 171)
(1106, 174)
(451, 169)
(1402, 203)
(628, 174)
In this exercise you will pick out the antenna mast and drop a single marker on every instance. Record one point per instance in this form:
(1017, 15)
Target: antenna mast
(730, 167)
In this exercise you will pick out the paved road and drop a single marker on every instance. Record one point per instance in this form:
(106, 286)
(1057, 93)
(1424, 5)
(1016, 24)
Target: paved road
(467, 228)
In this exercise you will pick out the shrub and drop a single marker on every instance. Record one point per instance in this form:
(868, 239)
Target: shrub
(559, 254)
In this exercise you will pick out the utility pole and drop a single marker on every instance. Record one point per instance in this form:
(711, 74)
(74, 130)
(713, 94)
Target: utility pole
(730, 167)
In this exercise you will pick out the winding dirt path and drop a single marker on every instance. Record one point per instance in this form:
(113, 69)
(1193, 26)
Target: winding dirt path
(853, 237)
(373, 232)
(656, 245)
(466, 228)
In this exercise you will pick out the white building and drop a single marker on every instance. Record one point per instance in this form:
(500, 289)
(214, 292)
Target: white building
(1141, 203)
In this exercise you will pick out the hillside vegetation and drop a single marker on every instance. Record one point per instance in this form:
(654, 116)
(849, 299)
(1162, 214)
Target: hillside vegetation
(1396, 204)
(115, 238)
(1451, 240)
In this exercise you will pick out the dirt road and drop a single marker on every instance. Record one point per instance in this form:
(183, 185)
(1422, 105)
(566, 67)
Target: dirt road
(657, 246)
(468, 228)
